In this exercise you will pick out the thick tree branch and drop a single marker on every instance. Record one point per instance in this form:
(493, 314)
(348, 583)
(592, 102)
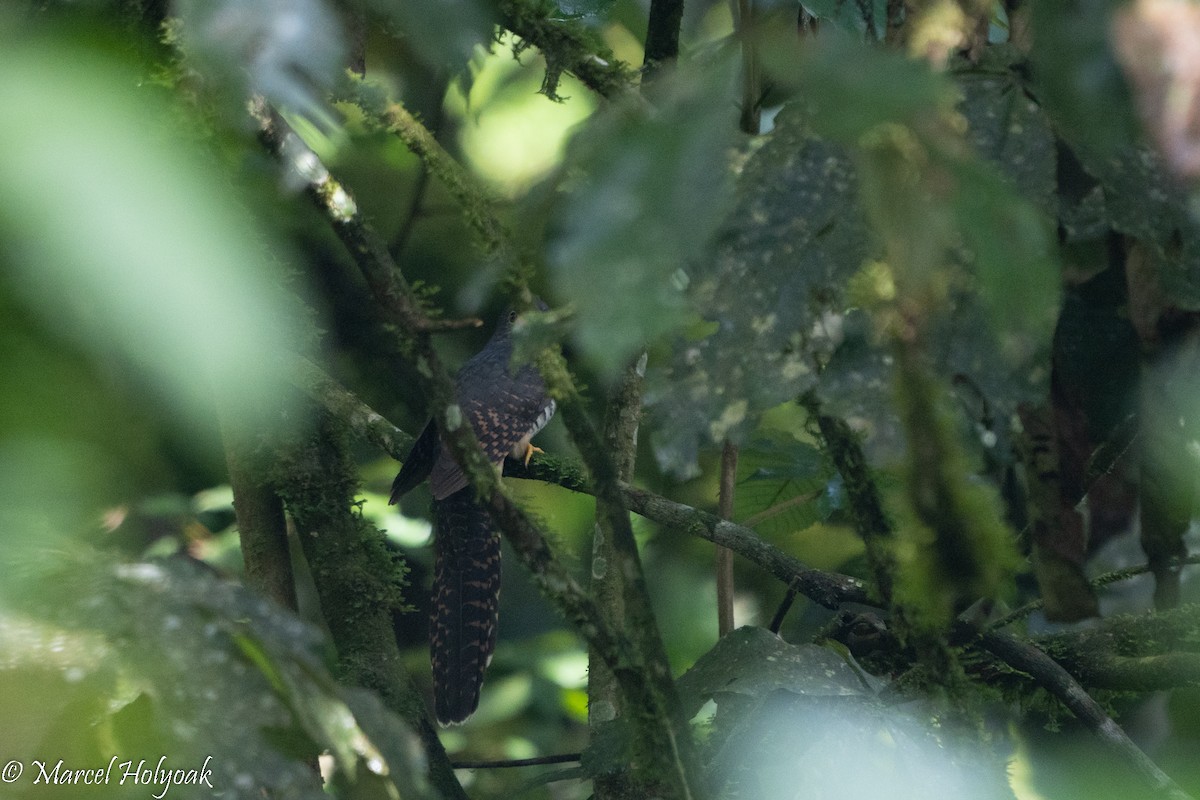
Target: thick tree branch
(667, 744)
(1141, 653)
(262, 528)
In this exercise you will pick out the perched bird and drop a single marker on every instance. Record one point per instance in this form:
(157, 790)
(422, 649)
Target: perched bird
(506, 408)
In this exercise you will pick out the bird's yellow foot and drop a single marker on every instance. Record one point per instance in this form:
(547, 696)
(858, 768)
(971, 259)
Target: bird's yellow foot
(530, 449)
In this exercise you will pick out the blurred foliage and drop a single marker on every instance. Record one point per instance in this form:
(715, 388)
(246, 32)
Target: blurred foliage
(646, 190)
(1003, 212)
(165, 659)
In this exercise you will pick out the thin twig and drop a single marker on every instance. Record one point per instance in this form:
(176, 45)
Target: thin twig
(1103, 580)
(785, 606)
(729, 459)
(564, 758)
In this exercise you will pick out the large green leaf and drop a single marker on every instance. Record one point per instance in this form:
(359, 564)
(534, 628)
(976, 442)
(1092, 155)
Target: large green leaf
(782, 261)
(801, 721)
(780, 481)
(127, 236)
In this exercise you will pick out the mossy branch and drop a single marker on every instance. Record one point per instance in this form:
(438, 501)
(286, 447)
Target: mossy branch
(866, 507)
(568, 46)
(1103, 580)
(1027, 658)
(478, 207)
(358, 582)
(666, 746)
(262, 527)
(1140, 653)
(605, 702)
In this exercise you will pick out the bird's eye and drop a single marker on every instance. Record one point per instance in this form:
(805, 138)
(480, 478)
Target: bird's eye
(512, 316)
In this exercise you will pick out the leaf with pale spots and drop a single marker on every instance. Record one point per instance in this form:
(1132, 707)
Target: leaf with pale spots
(782, 261)
(754, 662)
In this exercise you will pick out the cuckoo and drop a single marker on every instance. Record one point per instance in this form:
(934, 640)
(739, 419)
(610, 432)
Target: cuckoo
(505, 407)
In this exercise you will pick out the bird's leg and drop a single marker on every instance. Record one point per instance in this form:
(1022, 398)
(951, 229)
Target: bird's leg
(525, 449)
(530, 449)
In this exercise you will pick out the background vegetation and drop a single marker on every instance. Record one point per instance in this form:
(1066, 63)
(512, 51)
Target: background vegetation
(894, 302)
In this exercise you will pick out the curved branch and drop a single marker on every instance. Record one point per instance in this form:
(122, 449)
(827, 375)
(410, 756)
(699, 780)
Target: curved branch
(1051, 676)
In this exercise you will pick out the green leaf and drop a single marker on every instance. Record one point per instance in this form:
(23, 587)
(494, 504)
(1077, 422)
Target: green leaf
(443, 33)
(783, 260)
(217, 671)
(1009, 130)
(779, 483)
(866, 19)
(1010, 253)
(851, 87)
(287, 52)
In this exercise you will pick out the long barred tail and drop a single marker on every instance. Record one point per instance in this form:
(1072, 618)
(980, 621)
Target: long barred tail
(466, 596)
